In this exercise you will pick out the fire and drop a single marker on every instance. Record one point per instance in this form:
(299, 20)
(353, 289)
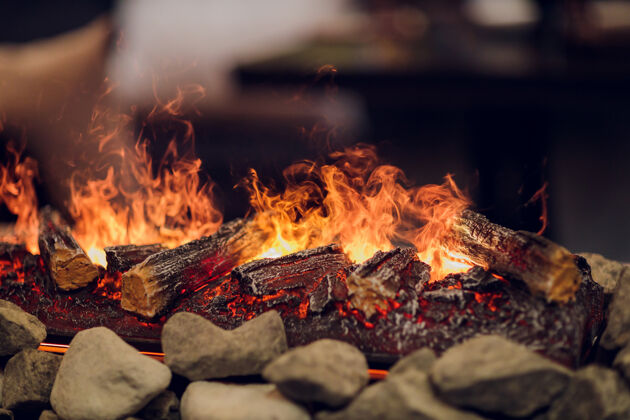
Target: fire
(124, 197)
(127, 198)
(361, 204)
(17, 193)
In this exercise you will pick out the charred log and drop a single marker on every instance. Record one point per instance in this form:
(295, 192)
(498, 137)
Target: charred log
(547, 268)
(300, 269)
(332, 288)
(68, 264)
(121, 258)
(12, 252)
(443, 314)
(382, 276)
(149, 287)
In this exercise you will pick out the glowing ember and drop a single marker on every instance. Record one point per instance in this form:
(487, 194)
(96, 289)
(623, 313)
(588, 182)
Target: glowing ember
(361, 204)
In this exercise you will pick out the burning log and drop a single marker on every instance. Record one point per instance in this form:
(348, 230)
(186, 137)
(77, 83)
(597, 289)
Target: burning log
(332, 288)
(547, 268)
(149, 287)
(300, 269)
(383, 275)
(121, 258)
(68, 264)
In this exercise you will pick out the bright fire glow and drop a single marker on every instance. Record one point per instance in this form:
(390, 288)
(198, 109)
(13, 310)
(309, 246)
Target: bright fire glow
(361, 204)
(17, 193)
(125, 197)
(132, 200)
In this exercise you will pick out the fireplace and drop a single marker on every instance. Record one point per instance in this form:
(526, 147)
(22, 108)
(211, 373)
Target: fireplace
(348, 262)
(345, 273)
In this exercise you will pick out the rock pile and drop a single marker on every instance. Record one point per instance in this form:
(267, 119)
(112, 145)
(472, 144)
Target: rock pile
(211, 373)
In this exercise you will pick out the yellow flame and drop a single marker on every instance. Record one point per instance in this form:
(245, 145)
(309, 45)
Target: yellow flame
(361, 204)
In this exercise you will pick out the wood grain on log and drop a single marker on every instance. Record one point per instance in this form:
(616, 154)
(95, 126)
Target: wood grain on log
(547, 268)
(383, 275)
(300, 269)
(121, 258)
(149, 287)
(68, 264)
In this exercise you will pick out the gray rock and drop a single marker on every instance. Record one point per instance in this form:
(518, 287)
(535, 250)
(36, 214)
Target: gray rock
(406, 395)
(197, 349)
(18, 329)
(6, 414)
(622, 362)
(28, 380)
(605, 272)
(163, 407)
(492, 374)
(617, 332)
(212, 400)
(102, 377)
(48, 415)
(420, 360)
(594, 393)
(326, 371)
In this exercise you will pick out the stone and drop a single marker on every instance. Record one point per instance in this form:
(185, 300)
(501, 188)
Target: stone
(102, 377)
(617, 332)
(216, 401)
(326, 371)
(18, 329)
(605, 272)
(48, 415)
(420, 360)
(593, 393)
(622, 362)
(495, 375)
(197, 349)
(406, 395)
(163, 407)
(28, 380)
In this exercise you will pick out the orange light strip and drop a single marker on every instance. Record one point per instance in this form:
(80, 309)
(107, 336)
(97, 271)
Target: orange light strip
(375, 374)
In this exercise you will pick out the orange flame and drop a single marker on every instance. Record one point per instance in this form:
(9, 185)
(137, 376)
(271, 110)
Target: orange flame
(133, 200)
(17, 192)
(363, 205)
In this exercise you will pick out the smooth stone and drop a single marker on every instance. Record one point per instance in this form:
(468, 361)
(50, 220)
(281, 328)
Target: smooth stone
(197, 349)
(617, 332)
(419, 360)
(102, 377)
(326, 371)
(594, 393)
(163, 407)
(19, 330)
(495, 375)
(28, 380)
(217, 401)
(48, 415)
(622, 362)
(405, 395)
(605, 272)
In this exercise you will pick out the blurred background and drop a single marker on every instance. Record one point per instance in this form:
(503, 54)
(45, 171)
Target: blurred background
(506, 94)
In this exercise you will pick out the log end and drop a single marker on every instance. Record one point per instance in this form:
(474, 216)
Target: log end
(137, 295)
(565, 279)
(72, 270)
